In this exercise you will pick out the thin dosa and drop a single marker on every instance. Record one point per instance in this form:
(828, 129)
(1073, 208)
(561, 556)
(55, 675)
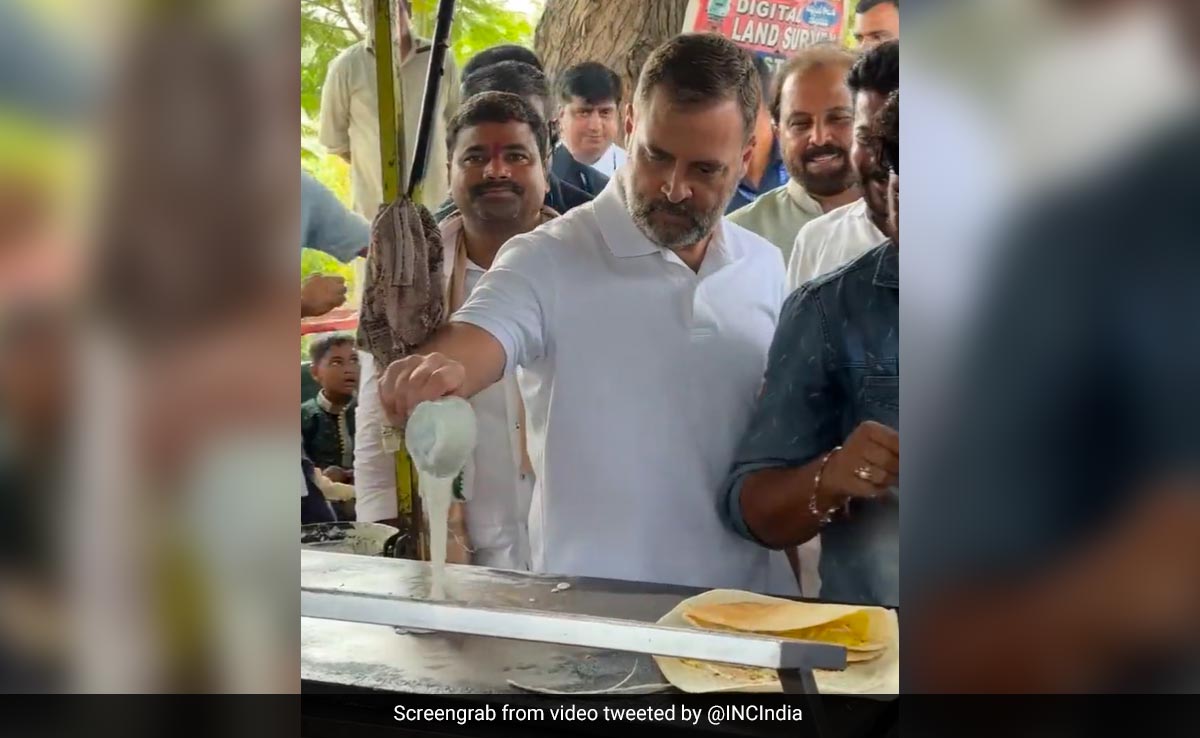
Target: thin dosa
(880, 675)
(858, 629)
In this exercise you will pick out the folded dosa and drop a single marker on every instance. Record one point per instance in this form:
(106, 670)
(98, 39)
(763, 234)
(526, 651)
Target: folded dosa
(866, 672)
(855, 628)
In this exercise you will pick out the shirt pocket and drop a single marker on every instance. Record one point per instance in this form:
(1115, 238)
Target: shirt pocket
(879, 400)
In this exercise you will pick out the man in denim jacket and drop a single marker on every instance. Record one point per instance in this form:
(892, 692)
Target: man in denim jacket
(821, 453)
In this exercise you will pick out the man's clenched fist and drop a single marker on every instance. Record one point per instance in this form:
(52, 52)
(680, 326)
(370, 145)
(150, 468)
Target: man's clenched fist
(321, 293)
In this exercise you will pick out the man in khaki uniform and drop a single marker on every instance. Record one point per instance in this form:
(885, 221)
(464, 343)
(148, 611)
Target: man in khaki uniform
(813, 116)
(350, 111)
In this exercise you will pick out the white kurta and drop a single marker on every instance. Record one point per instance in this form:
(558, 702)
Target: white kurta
(826, 243)
(499, 494)
(374, 467)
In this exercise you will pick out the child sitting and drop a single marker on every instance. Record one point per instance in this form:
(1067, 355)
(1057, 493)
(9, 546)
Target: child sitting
(327, 420)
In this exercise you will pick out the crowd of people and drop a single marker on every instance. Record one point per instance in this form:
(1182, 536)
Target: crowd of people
(674, 310)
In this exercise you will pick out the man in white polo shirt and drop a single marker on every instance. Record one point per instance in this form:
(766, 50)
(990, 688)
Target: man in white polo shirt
(641, 321)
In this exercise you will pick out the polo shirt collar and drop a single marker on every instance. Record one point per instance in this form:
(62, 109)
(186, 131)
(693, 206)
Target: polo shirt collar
(721, 251)
(624, 239)
(620, 234)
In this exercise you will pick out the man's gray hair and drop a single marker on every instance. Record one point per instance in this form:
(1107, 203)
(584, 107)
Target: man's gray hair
(700, 69)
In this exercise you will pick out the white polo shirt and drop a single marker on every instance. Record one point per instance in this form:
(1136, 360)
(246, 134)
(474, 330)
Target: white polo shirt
(836, 238)
(639, 378)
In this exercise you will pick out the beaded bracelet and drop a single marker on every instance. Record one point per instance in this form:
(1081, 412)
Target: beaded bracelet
(822, 518)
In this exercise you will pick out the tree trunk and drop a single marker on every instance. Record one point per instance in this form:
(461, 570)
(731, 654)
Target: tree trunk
(620, 35)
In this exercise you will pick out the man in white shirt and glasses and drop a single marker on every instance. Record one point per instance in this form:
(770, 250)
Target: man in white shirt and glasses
(641, 322)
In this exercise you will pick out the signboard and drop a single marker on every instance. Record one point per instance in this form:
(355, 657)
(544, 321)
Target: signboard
(775, 29)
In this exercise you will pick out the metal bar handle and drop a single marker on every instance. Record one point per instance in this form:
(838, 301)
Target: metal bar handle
(570, 630)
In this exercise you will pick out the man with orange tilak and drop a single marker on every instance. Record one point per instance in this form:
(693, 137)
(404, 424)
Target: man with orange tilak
(498, 148)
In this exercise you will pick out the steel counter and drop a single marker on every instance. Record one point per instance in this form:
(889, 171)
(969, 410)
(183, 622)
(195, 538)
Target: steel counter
(339, 658)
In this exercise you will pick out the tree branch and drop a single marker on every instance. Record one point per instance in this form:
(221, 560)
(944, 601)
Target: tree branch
(340, 12)
(333, 26)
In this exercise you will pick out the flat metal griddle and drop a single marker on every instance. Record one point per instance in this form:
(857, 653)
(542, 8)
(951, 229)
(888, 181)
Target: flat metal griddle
(352, 602)
(340, 657)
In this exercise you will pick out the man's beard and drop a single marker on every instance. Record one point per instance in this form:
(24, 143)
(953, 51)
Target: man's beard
(694, 225)
(874, 189)
(825, 184)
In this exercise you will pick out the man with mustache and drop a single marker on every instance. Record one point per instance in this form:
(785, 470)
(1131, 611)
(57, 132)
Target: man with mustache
(843, 235)
(641, 322)
(529, 82)
(813, 116)
(498, 145)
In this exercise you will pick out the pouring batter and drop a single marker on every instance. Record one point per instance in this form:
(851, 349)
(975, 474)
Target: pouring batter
(440, 437)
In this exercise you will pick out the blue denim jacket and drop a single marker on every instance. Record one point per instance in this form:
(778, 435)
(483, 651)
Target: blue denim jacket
(834, 363)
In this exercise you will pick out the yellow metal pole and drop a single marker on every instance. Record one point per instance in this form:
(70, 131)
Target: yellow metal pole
(385, 76)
